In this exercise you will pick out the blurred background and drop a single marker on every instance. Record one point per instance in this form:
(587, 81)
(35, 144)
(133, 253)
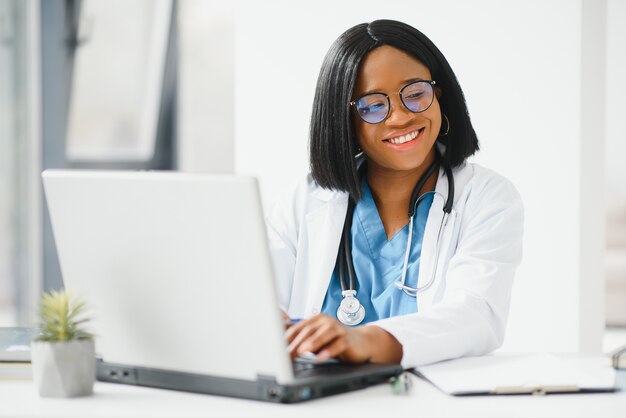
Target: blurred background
(227, 87)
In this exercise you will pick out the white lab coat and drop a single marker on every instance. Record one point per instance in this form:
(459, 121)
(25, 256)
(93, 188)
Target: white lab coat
(464, 312)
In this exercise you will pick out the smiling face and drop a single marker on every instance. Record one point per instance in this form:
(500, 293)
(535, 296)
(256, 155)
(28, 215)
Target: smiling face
(403, 142)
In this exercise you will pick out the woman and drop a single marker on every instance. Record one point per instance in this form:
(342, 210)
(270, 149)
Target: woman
(394, 249)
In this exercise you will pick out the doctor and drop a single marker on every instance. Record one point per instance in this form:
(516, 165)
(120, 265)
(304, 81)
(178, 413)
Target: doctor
(394, 248)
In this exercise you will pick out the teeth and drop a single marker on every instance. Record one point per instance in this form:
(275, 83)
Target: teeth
(405, 138)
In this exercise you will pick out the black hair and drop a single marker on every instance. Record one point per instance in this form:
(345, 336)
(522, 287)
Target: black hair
(333, 144)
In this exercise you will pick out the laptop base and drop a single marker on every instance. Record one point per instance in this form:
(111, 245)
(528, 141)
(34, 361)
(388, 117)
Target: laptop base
(265, 388)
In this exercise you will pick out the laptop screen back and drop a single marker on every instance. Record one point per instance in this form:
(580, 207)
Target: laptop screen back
(175, 268)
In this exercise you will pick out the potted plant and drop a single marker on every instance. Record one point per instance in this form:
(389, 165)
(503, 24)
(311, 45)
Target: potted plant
(63, 355)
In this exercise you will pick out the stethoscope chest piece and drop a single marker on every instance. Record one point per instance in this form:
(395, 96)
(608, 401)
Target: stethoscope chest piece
(350, 311)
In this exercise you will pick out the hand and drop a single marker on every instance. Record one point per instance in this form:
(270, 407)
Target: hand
(327, 337)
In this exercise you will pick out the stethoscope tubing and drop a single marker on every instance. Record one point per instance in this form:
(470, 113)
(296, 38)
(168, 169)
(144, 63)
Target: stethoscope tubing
(345, 258)
(350, 311)
(413, 291)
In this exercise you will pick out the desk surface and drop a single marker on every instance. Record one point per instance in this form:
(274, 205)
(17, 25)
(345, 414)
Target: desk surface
(19, 399)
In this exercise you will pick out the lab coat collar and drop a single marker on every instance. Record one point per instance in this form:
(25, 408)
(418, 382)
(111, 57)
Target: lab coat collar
(326, 195)
(461, 174)
(442, 184)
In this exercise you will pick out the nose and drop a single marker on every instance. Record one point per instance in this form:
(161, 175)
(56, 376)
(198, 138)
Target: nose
(398, 113)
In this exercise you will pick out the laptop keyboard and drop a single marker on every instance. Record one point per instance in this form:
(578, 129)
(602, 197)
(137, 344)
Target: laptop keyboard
(326, 368)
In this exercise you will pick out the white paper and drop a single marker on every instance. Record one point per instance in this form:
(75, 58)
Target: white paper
(488, 374)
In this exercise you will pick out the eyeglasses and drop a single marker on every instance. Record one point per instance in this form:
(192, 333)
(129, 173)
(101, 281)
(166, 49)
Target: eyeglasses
(416, 96)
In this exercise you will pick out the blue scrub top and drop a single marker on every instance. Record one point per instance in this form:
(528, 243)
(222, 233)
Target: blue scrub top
(378, 262)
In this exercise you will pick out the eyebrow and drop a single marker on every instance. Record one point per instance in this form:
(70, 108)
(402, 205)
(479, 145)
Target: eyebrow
(404, 83)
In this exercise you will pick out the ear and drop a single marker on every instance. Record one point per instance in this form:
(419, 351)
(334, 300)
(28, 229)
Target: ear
(438, 92)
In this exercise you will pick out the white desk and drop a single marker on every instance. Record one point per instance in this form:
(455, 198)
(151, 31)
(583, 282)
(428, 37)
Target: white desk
(19, 399)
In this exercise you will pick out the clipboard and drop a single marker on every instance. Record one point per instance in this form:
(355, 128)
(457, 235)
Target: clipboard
(618, 358)
(520, 374)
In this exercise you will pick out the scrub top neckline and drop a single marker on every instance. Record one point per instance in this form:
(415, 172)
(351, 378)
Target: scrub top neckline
(366, 213)
(369, 217)
(368, 210)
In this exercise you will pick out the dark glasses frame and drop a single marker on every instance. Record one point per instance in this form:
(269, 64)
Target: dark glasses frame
(431, 83)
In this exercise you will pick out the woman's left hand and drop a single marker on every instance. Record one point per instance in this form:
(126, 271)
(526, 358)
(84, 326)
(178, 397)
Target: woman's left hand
(328, 338)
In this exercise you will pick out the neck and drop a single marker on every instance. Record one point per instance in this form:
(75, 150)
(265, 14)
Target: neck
(392, 189)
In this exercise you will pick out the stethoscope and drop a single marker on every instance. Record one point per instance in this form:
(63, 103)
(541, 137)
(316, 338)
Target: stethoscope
(350, 311)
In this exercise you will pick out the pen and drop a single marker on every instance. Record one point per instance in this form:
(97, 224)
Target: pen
(292, 321)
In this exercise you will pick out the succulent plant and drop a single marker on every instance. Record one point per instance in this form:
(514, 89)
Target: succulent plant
(62, 318)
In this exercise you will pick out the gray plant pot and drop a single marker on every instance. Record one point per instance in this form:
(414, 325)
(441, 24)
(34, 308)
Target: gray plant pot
(64, 369)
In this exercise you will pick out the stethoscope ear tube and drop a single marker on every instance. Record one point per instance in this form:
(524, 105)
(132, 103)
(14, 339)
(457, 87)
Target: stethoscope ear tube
(344, 256)
(450, 200)
(420, 185)
(347, 247)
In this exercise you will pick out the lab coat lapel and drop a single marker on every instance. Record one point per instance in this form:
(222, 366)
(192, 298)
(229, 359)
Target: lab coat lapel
(429, 245)
(324, 226)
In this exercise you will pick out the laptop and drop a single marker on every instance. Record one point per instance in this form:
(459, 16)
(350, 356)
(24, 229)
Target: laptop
(176, 270)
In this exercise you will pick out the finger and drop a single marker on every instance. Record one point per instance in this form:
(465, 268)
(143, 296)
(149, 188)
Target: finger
(304, 333)
(291, 322)
(327, 332)
(334, 349)
(295, 329)
(310, 328)
(285, 318)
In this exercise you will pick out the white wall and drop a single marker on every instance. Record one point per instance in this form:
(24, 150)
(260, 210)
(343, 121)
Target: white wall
(616, 102)
(205, 121)
(591, 221)
(521, 66)
(615, 168)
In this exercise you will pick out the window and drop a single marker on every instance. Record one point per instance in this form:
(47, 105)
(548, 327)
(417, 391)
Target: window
(117, 80)
(19, 162)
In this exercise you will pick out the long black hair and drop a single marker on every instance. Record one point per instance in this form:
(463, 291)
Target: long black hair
(333, 144)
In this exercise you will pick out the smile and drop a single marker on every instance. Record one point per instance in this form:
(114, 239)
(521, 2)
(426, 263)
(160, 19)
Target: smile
(404, 138)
